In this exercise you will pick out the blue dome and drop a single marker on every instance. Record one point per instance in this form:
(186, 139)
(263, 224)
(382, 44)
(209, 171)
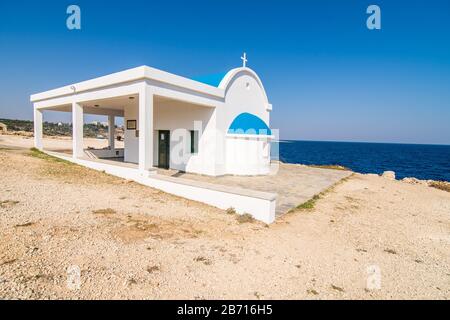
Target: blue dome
(247, 123)
(211, 79)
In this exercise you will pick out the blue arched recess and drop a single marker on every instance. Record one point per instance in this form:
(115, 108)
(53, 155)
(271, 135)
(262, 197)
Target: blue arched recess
(247, 123)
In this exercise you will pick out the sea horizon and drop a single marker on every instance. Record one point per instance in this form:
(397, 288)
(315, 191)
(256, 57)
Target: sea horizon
(412, 160)
(371, 142)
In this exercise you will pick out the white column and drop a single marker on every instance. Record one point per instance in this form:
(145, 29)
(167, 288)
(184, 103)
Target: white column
(38, 129)
(111, 131)
(77, 127)
(145, 121)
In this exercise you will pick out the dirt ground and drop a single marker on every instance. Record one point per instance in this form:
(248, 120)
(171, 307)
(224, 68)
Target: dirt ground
(54, 143)
(367, 238)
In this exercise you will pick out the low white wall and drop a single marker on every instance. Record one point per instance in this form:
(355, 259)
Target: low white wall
(260, 207)
(119, 171)
(107, 153)
(258, 204)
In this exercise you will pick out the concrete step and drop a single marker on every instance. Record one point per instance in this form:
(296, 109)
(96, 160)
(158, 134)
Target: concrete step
(90, 155)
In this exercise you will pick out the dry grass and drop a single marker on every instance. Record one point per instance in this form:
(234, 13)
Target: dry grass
(106, 211)
(312, 291)
(391, 251)
(311, 203)
(28, 224)
(41, 155)
(204, 260)
(152, 269)
(441, 185)
(245, 218)
(131, 228)
(241, 218)
(8, 262)
(231, 210)
(308, 205)
(8, 203)
(337, 288)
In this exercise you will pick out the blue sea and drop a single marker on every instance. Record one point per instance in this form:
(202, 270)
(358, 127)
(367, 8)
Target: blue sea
(407, 160)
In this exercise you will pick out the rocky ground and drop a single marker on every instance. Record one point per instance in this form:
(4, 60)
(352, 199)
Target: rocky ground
(369, 237)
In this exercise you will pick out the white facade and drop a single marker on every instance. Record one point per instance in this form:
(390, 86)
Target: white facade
(230, 118)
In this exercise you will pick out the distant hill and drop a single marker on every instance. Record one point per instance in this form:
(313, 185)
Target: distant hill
(91, 130)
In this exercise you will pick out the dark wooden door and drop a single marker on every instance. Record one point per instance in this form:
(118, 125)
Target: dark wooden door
(163, 149)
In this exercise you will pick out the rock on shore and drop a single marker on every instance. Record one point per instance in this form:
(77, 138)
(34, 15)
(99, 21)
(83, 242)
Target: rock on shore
(389, 175)
(442, 185)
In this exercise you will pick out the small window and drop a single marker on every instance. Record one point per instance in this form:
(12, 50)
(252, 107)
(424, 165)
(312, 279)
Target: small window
(194, 141)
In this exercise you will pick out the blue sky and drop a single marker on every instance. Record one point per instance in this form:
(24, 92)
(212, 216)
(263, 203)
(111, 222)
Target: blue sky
(327, 76)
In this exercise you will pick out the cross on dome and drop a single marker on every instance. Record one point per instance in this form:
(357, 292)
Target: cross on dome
(244, 60)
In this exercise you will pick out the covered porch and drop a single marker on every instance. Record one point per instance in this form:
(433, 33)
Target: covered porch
(157, 129)
(86, 142)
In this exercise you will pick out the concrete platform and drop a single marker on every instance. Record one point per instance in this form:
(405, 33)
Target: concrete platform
(292, 184)
(265, 197)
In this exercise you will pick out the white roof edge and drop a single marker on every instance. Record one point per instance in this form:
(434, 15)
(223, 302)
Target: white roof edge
(180, 81)
(138, 73)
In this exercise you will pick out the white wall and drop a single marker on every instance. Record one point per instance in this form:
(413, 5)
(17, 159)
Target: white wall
(244, 94)
(244, 156)
(180, 117)
(248, 156)
(131, 153)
